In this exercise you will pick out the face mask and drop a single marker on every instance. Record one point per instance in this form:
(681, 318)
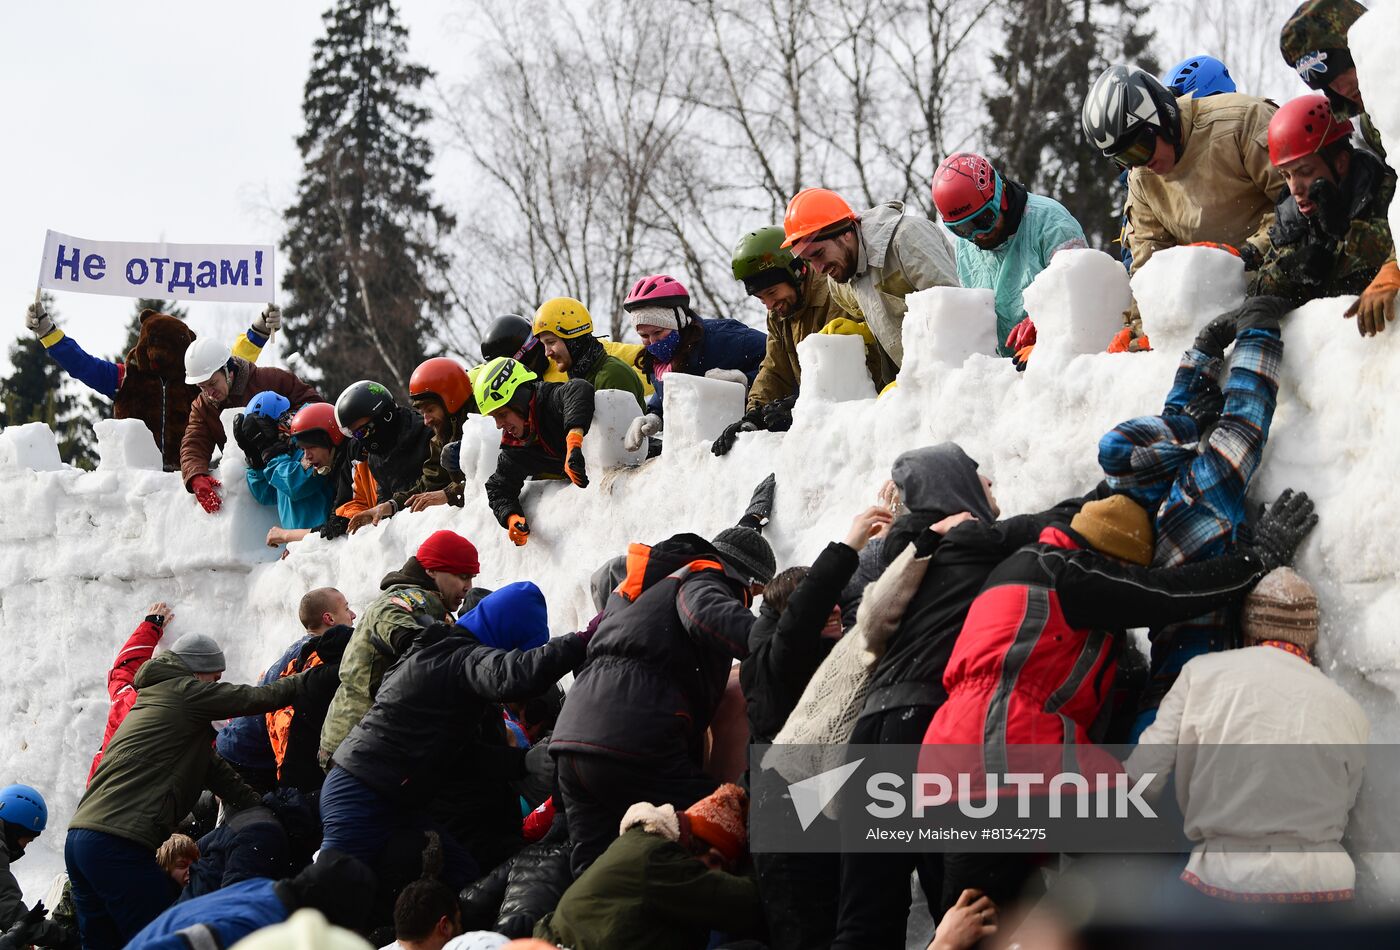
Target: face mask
(663, 349)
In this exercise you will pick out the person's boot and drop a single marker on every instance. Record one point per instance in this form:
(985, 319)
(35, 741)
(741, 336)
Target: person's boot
(760, 504)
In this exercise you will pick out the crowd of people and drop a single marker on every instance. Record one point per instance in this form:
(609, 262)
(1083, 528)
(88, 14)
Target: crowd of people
(416, 773)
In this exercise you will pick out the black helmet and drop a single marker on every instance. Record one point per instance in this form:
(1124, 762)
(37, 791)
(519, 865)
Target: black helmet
(365, 399)
(512, 336)
(1124, 105)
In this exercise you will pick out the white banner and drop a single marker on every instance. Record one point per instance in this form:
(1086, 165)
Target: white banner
(235, 273)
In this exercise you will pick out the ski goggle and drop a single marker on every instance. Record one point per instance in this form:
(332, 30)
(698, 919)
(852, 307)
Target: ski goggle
(1138, 151)
(530, 343)
(980, 222)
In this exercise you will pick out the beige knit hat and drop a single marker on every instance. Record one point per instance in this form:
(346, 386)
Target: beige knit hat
(1116, 526)
(1283, 606)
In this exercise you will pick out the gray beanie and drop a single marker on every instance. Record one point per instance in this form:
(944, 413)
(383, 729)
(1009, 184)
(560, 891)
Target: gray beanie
(200, 653)
(746, 551)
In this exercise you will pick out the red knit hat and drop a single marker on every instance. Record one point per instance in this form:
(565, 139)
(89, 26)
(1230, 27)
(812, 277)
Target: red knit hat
(448, 551)
(721, 821)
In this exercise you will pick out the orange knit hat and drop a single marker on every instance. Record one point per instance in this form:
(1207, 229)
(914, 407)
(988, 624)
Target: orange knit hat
(721, 820)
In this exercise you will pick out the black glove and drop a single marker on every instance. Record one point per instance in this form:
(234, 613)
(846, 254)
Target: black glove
(1282, 527)
(20, 935)
(760, 504)
(1331, 214)
(1217, 335)
(1204, 408)
(267, 438)
(777, 415)
(1261, 313)
(243, 435)
(1253, 258)
(730, 435)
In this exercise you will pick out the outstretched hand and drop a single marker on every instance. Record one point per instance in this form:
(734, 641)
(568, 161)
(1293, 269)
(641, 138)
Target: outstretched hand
(866, 525)
(162, 610)
(1282, 528)
(973, 917)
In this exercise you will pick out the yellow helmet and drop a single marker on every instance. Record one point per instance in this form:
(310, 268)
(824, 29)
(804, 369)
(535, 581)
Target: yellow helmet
(565, 317)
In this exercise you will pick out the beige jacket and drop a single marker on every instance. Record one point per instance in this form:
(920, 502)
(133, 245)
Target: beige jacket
(1223, 189)
(898, 254)
(1266, 824)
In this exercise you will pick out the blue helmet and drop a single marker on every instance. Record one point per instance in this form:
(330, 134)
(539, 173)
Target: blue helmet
(270, 404)
(1199, 75)
(23, 807)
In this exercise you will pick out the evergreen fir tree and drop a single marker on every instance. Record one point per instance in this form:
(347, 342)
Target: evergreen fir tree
(1052, 50)
(363, 276)
(37, 391)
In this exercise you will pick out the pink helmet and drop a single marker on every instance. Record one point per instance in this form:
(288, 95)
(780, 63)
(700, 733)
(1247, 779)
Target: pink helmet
(657, 290)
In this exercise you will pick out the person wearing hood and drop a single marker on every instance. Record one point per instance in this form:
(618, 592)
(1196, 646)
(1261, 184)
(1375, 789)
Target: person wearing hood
(337, 885)
(430, 587)
(634, 722)
(875, 259)
(434, 715)
(1191, 466)
(150, 383)
(278, 473)
(564, 329)
(392, 446)
(677, 340)
(225, 381)
(1331, 232)
(158, 761)
(1006, 237)
(23, 817)
(441, 391)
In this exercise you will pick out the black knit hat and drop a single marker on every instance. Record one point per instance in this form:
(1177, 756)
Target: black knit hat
(745, 550)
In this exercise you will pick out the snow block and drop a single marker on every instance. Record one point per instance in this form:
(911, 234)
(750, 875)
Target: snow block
(833, 368)
(1077, 305)
(613, 412)
(481, 444)
(698, 409)
(30, 446)
(126, 443)
(1181, 289)
(946, 325)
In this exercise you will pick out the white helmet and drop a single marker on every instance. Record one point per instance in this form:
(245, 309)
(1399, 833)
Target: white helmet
(204, 358)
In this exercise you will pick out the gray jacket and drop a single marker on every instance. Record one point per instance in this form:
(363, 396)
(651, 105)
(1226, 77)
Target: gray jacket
(898, 255)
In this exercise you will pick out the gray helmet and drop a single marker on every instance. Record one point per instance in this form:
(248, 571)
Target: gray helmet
(1122, 103)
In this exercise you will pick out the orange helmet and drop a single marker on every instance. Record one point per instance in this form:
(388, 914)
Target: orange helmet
(813, 210)
(442, 379)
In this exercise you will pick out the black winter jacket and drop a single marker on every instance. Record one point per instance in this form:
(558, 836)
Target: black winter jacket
(786, 649)
(299, 768)
(513, 897)
(396, 452)
(554, 410)
(910, 673)
(429, 709)
(657, 669)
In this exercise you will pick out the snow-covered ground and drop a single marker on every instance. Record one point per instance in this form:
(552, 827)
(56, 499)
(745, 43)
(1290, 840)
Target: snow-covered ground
(82, 554)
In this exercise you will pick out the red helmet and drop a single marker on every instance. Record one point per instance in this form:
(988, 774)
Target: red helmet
(657, 290)
(441, 378)
(963, 185)
(1303, 127)
(314, 424)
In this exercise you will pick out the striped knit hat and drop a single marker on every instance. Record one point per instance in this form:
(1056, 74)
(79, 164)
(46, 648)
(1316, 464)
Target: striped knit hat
(1283, 606)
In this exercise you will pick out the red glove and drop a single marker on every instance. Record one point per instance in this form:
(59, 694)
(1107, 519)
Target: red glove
(1021, 336)
(573, 458)
(538, 822)
(519, 530)
(206, 492)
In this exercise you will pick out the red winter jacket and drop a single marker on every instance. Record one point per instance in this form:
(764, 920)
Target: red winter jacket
(138, 649)
(1037, 654)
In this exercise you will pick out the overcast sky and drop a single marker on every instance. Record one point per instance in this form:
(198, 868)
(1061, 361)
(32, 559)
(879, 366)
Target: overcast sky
(146, 121)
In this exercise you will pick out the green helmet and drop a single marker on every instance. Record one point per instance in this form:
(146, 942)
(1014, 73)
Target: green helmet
(760, 260)
(497, 382)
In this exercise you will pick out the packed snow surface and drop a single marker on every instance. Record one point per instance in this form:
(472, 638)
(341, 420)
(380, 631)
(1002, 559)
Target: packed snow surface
(83, 554)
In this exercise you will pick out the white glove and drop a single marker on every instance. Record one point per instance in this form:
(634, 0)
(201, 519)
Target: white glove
(728, 376)
(641, 427)
(36, 318)
(269, 320)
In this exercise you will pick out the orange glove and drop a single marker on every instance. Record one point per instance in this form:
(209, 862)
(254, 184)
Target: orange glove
(1217, 245)
(519, 530)
(1376, 305)
(1124, 342)
(1023, 355)
(573, 458)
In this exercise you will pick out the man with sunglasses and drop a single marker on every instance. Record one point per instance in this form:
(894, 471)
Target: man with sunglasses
(392, 445)
(225, 381)
(875, 260)
(1006, 236)
(1200, 169)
